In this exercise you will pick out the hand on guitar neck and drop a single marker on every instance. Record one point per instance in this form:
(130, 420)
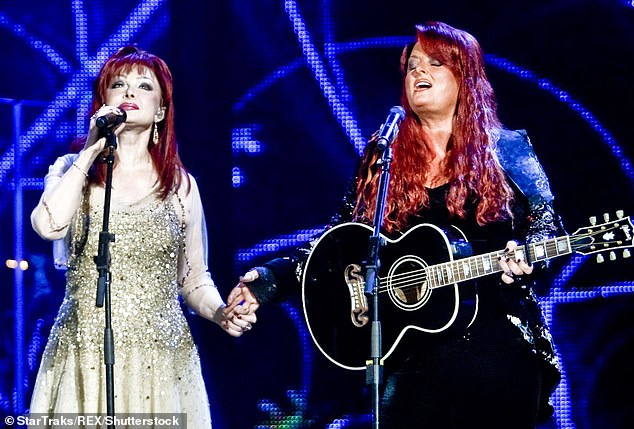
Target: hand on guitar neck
(512, 267)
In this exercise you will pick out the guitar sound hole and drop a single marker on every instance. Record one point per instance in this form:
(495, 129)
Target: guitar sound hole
(407, 283)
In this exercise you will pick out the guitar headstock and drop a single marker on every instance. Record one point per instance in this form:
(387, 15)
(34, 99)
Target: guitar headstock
(609, 236)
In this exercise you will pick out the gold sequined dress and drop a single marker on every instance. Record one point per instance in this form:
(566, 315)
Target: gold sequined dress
(157, 368)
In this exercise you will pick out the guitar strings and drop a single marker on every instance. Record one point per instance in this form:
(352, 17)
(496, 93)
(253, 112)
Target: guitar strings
(417, 278)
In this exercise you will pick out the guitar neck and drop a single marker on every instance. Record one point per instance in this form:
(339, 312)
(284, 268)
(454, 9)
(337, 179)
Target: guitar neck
(472, 267)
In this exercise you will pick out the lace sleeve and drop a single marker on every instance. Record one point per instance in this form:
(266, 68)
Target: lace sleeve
(52, 216)
(54, 213)
(194, 280)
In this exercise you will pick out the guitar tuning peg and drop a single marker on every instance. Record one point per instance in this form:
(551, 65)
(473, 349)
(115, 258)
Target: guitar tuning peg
(600, 259)
(612, 256)
(593, 220)
(626, 253)
(606, 217)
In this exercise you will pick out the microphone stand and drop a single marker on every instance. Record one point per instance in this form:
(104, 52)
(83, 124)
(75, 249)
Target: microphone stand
(374, 368)
(102, 260)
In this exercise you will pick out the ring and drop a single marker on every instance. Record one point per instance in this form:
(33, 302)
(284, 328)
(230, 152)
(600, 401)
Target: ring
(509, 273)
(248, 327)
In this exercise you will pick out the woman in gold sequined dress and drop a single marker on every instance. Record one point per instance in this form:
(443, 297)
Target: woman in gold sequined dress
(159, 254)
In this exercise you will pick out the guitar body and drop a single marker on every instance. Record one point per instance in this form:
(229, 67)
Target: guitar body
(424, 281)
(338, 313)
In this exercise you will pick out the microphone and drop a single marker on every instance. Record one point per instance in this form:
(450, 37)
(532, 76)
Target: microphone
(111, 120)
(389, 129)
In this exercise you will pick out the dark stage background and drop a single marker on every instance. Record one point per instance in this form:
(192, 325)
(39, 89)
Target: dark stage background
(275, 99)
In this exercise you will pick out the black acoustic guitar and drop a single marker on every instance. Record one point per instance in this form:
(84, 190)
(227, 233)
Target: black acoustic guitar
(424, 281)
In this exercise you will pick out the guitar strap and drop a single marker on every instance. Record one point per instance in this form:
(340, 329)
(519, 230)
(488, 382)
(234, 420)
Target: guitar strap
(516, 156)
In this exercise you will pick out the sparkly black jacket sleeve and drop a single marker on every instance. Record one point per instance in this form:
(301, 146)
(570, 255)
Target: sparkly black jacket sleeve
(517, 157)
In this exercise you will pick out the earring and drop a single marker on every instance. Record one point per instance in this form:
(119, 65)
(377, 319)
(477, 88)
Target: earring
(155, 137)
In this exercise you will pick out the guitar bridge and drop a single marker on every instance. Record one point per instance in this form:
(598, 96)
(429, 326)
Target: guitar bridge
(358, 300)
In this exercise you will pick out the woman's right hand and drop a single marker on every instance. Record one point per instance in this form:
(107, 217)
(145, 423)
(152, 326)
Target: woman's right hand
(96, 141)
(239, 313)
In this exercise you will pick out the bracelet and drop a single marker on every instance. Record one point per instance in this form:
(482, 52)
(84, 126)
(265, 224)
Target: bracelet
(189, 292)
(85, 173)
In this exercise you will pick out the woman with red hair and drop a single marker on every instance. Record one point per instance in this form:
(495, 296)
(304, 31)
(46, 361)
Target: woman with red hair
(159, 255)
(454, 166)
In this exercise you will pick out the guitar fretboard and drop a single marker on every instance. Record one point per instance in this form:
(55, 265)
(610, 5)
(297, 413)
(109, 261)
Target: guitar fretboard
(482, 265)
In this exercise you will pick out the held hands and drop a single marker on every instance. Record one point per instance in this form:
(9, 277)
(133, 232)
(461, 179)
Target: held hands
(235, 320)
(238, 316)
(512, 268)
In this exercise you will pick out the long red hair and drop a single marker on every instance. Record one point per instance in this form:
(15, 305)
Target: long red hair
(164, 154)
(470, 164)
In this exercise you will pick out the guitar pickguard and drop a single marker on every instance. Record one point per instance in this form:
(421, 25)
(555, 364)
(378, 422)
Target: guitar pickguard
(358, 300)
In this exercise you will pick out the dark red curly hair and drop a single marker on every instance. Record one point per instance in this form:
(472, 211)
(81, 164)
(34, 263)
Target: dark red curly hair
(470, 163)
